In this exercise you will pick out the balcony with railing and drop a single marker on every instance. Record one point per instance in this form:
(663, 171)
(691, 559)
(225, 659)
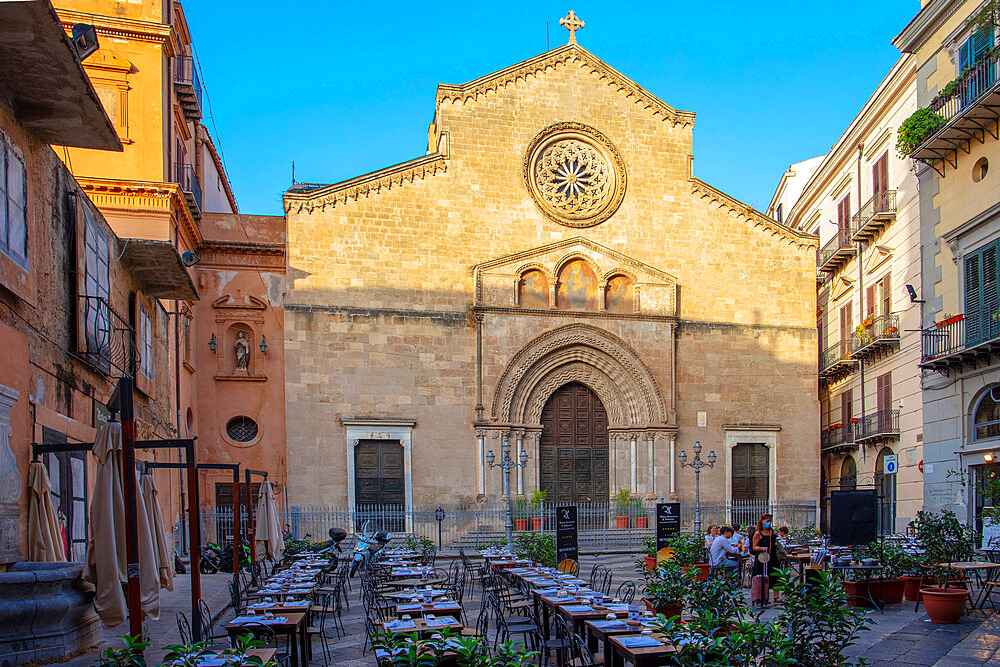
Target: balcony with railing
(835, 362)
(187, 179)
(874, 216)
(187, 85)
(837, 252)
(108, 340)
(875, 336)
(876, 427)
(960, 342)
(838, 436)
(968, 112)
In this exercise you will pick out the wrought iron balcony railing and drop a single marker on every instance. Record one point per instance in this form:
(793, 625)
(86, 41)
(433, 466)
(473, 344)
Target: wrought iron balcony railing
(836, 252)
(875, 335)
(108, 339)
(188, 86)
(960, 340)
(878, 425)
(185, 176)
(972, 87)
(836, 361)
(837, 436)
(877, 212)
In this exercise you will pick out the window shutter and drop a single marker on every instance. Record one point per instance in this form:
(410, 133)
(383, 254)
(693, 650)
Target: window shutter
(845, 323)
(847, 408)
(883, 397)
(870, 301)
(989, 322)
(965, 55)
(972, 294)
(982, 42)
(880, 179)
(887, 294)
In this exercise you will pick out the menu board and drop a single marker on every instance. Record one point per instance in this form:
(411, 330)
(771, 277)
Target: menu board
(567, 541)
(668, 522)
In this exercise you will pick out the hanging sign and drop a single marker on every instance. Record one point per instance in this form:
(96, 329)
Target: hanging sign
(567, 540)
(890, 464)
(668, 522)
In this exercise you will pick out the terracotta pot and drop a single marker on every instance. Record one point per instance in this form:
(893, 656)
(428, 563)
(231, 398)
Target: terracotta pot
(890, 590)
(944, 606)
(622, 522)
(702, 570)
(857, 592)
(520, 524)
(536, 523)
(650, 562)
(641, 521)
(668, 610)
(911, 587)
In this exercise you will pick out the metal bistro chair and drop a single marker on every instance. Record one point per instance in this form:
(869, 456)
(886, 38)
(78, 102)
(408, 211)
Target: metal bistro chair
(235, 598)
(208, 624)
(582, 657)
(597, 576)
(626, 592)
(269, 638)
(569, 566)
(183, 628)
(561, 644)
(320, 630)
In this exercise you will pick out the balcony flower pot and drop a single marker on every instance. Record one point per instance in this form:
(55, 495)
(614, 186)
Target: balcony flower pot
(890, 590)
(951, 320)
(944, 606)
(641, 521)
(520, 524)
(622, 522)
(911, 587)
(650, 562)
(668, 610)
(536, 523)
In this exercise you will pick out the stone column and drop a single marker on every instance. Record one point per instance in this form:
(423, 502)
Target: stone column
(481, 455)
(673, 464)
(518, 436)
(634, 461)
(10, 483)
(652, 468)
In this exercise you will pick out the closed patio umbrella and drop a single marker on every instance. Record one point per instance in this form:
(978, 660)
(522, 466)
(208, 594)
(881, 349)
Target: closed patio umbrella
(105, 562)
(163, 552)
(149, 565)
(45, 542)
(269, 540)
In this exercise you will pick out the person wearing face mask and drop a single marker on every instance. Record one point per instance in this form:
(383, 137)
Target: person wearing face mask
(764, 541)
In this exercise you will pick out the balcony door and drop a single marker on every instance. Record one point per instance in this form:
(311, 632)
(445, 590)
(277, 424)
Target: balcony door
(982, 302)
(880, 181)
(885, 489)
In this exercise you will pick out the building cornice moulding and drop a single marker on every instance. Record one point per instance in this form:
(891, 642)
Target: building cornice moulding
(567, 54)
(925, 24)
(738, 209)
(113, 26)
(242, 255)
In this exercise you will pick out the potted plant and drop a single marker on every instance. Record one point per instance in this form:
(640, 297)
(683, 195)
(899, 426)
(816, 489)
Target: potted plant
(537, 500)
(945, 540)
(666, 589)
(648, 559)
(895, 562)
(641, 520)
(720, 601)
(689, 553)
(520, 512)
(622, 500)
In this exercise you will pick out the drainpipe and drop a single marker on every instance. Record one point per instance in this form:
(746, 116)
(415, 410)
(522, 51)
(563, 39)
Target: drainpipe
(861, 292)
(177, 383)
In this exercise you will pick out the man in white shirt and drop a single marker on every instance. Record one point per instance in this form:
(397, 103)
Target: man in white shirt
(723, 553)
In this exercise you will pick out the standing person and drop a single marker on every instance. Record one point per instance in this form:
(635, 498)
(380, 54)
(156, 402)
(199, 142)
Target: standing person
(764, 541)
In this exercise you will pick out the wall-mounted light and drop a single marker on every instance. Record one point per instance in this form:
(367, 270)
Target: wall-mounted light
(988, 457)
(212, 344)
(263, 345)
(913, 294)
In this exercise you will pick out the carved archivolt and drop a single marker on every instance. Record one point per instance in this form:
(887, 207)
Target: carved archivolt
(585, 354)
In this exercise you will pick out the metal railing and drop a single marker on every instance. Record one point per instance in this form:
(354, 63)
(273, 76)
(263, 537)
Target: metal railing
(840, 242)
(976, 83)
(833, 355)
(186, 177)
(108, 339)
(882, 328)
(602, 526)
(186, 77)
(837, 436)
(876, 424)
(881, 202)
(958, 333)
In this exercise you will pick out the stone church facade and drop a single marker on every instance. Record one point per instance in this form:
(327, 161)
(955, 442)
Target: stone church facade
(549, 272)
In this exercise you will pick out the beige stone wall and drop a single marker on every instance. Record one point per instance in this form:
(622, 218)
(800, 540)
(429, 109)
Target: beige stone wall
(378, 315)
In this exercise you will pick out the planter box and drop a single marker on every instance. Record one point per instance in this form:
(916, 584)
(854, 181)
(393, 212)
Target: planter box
(536, 523)
(944, 606)
(668, 610)
(890, 590)
(911, 587)
(520, 524)
(641, 521)
(622, 522)
(857, 593)
(650, 562)
(702, 570)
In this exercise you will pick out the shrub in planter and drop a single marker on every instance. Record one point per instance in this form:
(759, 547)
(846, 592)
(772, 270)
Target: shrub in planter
(537, 500)
(667, 588)
(689, 552)
(915, 130)
(623, 505)
(647, 560)
(945, 540)
(536, 547)
(895, 562)
(721, 597)
(520, 514)
(944, 605)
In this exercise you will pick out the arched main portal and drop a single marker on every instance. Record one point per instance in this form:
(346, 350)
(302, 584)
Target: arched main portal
(573, 449)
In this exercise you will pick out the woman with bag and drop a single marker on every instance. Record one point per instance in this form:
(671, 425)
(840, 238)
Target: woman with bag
(765, 561)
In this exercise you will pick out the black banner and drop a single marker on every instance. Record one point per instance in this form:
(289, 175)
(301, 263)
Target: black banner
(668, 522)
(567, 543)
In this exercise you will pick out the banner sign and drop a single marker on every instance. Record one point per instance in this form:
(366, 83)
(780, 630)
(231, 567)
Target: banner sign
(567, 542)
(668, 522)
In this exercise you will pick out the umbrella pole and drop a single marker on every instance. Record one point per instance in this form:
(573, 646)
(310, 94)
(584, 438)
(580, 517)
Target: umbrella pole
(253, 544)
(194, 530)
(237, 516)
(134, 596)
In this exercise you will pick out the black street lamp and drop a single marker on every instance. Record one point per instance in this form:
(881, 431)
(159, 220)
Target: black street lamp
(697, 464)
(506, 465)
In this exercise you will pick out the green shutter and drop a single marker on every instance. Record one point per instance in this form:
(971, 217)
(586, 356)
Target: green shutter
(990, 314)
(982, 295)
(972, 299)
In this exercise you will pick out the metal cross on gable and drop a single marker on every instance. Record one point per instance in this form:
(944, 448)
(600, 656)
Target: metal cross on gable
(571, 23)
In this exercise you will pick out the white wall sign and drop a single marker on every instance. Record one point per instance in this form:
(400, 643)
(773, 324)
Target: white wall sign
(889, 464)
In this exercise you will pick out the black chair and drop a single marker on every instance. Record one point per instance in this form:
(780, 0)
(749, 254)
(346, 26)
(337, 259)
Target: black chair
(626, 592)
(582, 657)
(561, 644)
(597, 576)
(208, 624)
(320, 630)
(268, 638)
(605, 584)
(235, 598)
(183, 628)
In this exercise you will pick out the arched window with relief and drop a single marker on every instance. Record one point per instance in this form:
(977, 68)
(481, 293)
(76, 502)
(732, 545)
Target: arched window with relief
(533, 290)
(618, 295)
(986, 417)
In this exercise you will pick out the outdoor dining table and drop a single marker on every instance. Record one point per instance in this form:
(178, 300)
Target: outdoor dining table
(801, 559)
(422, 626)
(638, 656)
(444, 607)
(410, 583)
(866, 572)
(983, 571)
(294, 625)
(419, 592)
(598, 632)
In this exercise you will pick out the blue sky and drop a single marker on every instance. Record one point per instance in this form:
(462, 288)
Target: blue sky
(346, 88)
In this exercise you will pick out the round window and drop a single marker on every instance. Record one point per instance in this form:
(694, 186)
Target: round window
(979, 169)
(241, 429)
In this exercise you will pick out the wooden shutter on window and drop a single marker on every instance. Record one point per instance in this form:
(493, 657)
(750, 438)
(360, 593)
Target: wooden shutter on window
(870, 301)
(982, 301)
(844, 220)
(883, 388)
(886, 285)
(846, 322)
(847, 407)
(880, 175)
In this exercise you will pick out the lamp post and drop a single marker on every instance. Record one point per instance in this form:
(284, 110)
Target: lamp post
(697, 464)
(506, 465)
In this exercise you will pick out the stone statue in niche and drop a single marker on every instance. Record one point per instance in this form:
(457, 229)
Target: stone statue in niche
(242, 349)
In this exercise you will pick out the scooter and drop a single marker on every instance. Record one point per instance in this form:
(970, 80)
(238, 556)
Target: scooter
(367, 546)
(337, 535)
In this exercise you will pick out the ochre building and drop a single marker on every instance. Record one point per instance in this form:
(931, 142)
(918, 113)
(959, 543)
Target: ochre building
(551, 272)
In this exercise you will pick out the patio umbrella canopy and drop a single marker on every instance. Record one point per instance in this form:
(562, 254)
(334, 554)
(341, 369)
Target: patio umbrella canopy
(105, 562)
(161, 549)
(149, 565)
(45, 541)
(269, 540)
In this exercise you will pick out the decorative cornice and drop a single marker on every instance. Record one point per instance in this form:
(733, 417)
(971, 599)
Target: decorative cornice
(241, 255)
(923, 26)
(738, 209)
(143, 197)
(577, 314)
(114, 26)
(568, 54)
(365, 185)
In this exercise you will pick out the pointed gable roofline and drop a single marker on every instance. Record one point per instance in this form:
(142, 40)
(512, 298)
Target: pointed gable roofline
(736, 208)
(569, 53)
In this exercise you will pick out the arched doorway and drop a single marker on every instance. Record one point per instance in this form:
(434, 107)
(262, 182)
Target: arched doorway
(848, 474)
(885, 489)
(573, 449)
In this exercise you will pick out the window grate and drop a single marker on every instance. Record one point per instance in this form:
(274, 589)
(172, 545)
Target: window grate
(241, 429)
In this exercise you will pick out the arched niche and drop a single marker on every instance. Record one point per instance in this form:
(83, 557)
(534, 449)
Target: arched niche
(619, 295)
(533, 290)
(576, 286)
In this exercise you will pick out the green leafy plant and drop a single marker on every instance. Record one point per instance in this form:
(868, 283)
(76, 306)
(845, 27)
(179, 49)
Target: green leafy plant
(239, 655)
(520, 508)
(409, 650)
(293, 547)
(721, 597)
(623, 501)
(804, 534)
(536, 547)
(648, 549)
(915, 130)
(668, 584)
(538, 498)
(420, 545)
(128, 656)
(945, 540)
(895, 560)
(688, 549)
(188, 655)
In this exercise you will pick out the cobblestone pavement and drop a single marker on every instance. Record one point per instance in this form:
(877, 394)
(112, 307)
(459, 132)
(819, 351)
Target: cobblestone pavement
(899, 637)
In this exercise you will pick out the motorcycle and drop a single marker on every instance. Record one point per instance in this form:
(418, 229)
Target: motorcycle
(366, 546)
(211, 556)
(337, 535)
